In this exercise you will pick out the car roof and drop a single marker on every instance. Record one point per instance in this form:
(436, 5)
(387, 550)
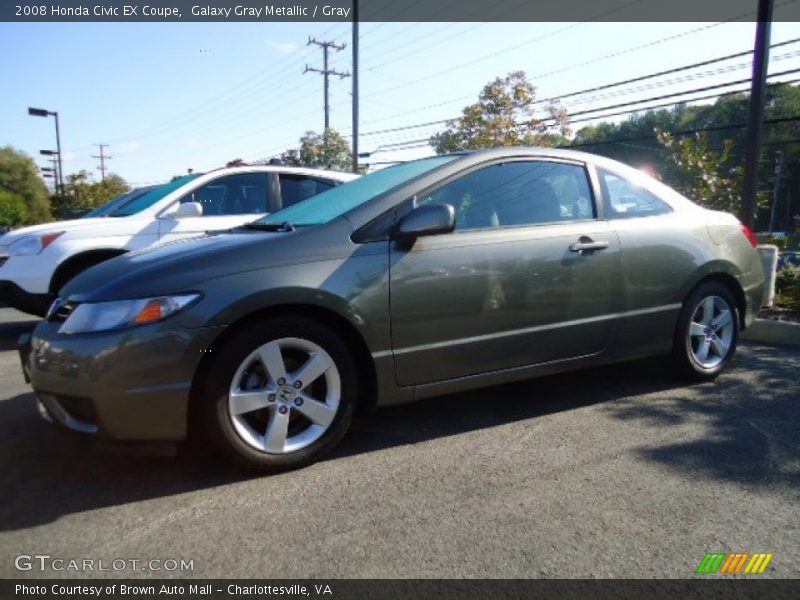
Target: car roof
(307, 171)
(564, 153)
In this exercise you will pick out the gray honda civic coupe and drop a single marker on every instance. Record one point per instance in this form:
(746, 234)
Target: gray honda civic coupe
(429, 277)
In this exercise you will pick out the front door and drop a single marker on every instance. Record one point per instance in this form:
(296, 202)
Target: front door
(227, 201)
(510, 287)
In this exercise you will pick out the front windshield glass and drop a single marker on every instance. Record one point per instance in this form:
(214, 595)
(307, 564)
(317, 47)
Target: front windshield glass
(104, 209)
(147, 200)
(101, 210)
(328, 205)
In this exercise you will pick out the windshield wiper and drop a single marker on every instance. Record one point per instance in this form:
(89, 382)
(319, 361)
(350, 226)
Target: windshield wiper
(285, 226)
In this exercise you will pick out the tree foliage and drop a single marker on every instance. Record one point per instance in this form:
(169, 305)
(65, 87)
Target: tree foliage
(707, 177)
(82, 194)
(329, 150)
(19, 178)
(504, 115)
(13, 211)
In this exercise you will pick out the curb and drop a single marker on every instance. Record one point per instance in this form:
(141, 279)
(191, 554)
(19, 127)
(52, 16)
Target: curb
(773, 332)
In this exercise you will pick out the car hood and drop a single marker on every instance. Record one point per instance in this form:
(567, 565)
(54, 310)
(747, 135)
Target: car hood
(178, 266)
(71, 225)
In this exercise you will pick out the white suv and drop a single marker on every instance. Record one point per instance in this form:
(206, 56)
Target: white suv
(35, 262)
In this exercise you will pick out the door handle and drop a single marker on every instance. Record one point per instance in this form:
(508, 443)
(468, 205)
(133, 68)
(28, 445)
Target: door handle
(586, 244)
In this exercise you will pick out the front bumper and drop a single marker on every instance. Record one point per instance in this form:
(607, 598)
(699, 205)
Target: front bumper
(34, 304)
(130, 384)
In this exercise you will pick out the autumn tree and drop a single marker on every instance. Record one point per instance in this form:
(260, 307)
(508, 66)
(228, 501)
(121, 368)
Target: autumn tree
(20, 180)
(504, 115)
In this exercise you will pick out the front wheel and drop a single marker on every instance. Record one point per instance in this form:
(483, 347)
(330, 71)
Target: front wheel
(707, 333)
(281, 394)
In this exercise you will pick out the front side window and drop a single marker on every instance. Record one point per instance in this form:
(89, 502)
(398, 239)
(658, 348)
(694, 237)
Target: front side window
(625, 200)
(239, 194)
(296, 188)
(517, 193)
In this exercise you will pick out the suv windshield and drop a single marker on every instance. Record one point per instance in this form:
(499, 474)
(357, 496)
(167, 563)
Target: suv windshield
(154, 195)
(105, 209)
(326, 206)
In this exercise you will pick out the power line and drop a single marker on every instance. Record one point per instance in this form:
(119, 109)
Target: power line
(684, 132)
(615, 84)
(398, 145)
(666, 72)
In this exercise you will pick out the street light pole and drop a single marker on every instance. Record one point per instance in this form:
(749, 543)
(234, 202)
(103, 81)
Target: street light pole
(41, 112)
(58, 148)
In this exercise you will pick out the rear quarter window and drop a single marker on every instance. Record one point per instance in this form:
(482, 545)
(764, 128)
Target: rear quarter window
(624, 199)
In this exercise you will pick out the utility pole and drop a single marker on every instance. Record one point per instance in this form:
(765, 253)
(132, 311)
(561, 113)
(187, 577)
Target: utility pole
(757, 88)
(355, 86)
(103, 158)
(776, 189)
(326, 72)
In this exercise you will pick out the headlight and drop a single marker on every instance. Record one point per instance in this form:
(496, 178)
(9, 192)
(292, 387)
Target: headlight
(32, 244)
(102, 316)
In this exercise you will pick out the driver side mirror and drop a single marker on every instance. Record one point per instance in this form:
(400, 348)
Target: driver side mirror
(429, 219)
(187, 209)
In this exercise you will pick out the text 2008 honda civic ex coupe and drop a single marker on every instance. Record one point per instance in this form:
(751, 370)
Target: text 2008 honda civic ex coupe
(433, 276)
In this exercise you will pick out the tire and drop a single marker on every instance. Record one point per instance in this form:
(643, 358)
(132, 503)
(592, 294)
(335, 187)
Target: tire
(707, 333)
(270, 426)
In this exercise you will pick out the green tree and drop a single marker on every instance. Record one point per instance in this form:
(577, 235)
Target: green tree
(19, 176)
(329, 150)
(13, 211)
(504, 115)
(81, 193)
(710, 178)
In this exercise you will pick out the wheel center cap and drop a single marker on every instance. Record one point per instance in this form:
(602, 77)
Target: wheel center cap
(286, 393)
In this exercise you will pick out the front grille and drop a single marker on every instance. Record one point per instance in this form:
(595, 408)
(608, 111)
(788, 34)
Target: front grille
(60, 310)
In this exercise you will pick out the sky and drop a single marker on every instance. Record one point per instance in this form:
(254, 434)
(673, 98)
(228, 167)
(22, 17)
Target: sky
(168, 97)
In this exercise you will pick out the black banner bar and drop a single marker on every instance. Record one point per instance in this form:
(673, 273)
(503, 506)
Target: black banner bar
(390, 10)
(390, 589)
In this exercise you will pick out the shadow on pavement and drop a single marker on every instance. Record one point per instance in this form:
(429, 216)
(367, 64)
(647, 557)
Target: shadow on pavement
(752, 423)
(751, 436)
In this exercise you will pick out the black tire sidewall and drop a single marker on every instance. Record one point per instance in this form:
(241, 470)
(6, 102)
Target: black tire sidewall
(682, 352)
(214, 396)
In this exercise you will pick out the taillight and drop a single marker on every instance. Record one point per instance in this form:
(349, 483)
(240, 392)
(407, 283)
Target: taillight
(749, 235)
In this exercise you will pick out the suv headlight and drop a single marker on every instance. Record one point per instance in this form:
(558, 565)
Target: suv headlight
(103, 316)
(32, 244)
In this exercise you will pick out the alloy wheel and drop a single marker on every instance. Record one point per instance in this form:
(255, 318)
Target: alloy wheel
(284, 396)
(711, 331)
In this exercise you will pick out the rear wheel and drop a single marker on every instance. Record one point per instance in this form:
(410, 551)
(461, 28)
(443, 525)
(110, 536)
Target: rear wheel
(707, 333)
(281, 394)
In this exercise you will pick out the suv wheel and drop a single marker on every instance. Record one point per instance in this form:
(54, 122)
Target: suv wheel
(281, 394)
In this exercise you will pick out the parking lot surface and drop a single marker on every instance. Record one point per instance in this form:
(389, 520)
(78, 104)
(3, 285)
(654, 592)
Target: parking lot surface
(613, 472)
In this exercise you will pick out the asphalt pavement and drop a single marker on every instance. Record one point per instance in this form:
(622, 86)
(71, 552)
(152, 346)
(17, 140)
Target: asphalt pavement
(612, 472)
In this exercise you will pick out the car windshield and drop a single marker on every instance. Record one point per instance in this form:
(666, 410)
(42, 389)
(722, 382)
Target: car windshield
(104, 209)
(328, 205)
(147, 200)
